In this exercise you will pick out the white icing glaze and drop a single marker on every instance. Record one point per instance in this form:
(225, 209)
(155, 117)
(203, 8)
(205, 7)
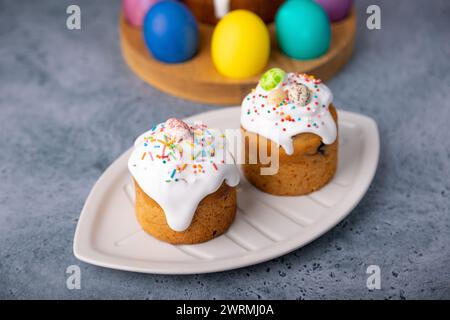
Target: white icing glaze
(179, 173)
(221, 8)
(281, 122)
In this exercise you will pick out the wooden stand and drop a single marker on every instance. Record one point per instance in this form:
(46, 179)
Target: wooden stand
(198, 80)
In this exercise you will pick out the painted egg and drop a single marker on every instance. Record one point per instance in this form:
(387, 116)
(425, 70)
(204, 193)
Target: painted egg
(272, 78)
(336, 9)
(303, 29)
(299, 94)
(135, 10)
(171, 32)
(177, 129)
(240, 45)
(276, 96)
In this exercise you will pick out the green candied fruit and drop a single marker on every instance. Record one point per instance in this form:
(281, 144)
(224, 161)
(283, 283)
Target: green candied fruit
(271, 78)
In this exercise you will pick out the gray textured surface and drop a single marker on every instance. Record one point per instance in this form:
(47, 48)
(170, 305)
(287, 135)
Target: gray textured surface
(69, 106)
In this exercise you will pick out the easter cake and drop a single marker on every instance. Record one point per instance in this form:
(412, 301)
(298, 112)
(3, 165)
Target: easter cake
(185, 182)
(211, 11)
(295, 112)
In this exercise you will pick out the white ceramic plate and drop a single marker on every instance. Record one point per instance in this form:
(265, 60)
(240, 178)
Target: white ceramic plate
(266, 226)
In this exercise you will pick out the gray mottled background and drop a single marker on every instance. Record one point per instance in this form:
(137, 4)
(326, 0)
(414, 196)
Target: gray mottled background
(69, 106)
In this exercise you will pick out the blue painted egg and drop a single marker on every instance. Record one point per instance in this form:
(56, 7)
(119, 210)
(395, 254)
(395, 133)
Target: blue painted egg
(171, 32)
(303, 29)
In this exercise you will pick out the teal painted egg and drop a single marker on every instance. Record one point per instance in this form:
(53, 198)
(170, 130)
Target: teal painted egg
(303, 29)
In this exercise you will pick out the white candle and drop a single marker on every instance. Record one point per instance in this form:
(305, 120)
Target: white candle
(221, 8)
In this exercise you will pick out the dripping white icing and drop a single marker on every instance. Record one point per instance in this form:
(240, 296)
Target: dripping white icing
(178, 174)
(280, 122)
(221, 8)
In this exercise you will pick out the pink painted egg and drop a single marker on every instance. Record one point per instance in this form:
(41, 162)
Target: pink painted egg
(135, 10)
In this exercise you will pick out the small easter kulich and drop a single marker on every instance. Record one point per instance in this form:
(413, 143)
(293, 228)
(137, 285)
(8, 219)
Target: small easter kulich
(293, 114)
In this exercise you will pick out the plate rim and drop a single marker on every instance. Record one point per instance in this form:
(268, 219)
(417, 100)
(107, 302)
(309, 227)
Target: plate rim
(85, 252)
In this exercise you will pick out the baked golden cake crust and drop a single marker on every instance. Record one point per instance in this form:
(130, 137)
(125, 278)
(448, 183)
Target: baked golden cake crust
(213, 217)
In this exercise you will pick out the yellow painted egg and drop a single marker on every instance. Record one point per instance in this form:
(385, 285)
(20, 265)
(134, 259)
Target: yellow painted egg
(240, 45)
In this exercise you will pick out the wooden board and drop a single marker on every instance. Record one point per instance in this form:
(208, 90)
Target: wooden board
(198, 80)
